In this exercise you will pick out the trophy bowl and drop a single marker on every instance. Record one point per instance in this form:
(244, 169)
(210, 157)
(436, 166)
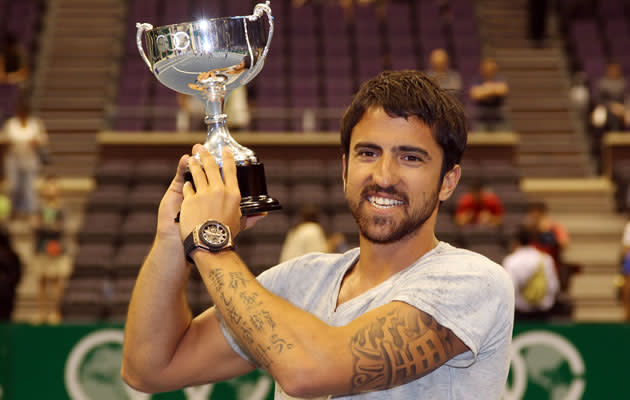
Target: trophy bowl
(208, 59)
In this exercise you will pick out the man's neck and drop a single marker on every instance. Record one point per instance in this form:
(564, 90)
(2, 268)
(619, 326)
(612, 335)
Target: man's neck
(378, 262)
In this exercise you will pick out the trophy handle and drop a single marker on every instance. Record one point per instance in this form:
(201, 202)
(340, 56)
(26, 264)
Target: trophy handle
(141, 29)
(258, 12)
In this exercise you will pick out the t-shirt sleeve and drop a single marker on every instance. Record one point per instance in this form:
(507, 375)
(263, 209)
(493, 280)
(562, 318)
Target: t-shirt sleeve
(473, 297)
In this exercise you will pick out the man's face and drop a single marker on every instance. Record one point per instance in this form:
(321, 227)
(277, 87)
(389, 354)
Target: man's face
(392, 176)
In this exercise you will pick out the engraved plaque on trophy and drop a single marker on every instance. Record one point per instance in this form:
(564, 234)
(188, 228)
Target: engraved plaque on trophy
(208, 59)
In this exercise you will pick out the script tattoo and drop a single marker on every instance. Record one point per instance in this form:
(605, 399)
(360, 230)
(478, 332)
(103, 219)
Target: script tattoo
(237, 280)
(216, 278)
(253, 324)
(397, 348)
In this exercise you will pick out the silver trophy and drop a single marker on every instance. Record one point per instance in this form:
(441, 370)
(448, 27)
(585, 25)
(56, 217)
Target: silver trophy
(208, 59)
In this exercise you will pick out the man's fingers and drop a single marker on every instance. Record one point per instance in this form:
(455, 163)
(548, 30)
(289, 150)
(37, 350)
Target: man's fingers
(249, 221)
(199, 177)
(188, 189)
(211, 168)
(229, 168)
(181, 168)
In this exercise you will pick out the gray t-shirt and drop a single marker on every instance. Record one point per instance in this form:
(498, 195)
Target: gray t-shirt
(462, 290)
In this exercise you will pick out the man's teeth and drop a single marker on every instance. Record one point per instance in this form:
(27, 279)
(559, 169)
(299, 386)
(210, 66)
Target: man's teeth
(382, 202)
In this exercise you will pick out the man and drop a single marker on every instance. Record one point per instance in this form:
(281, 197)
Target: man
(489, 95)
(441, 72)
(402, 316)
(535, 279)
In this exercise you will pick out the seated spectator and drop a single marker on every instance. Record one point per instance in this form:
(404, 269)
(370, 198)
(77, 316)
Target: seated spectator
(610, 113)
(488, 95)
(479, 207)
(535, 280)
(13, 64)
(307, 236)
(440, 71)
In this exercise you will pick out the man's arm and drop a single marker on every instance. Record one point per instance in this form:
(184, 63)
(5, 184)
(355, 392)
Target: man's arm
(385, 347)
(164, 348)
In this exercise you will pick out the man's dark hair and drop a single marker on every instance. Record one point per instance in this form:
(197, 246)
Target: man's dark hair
(539, 206)
(524, 235)
(412, 93)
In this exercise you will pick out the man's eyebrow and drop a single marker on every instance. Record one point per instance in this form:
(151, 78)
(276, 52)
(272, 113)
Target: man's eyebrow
(367, 145)
(412, 149)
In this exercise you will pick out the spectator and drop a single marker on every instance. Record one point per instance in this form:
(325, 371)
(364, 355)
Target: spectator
(626, 271)
(537, 13)
(440, 71)
(535, 280)
(306, 237)
(13, 64)
(49, 250)
(10, 274)
(550, 237)
(489, 95)
(479, 207)
(610, 112)
(26, 139)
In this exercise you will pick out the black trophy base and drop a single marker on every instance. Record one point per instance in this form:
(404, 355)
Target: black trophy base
(253, 187)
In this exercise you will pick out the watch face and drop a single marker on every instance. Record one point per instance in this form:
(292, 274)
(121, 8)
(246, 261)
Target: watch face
(214, 234)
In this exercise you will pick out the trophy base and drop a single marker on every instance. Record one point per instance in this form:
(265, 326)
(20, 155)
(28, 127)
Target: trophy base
(253, 187)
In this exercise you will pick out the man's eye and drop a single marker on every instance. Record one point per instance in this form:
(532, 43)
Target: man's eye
(367, 153)
(411, 158)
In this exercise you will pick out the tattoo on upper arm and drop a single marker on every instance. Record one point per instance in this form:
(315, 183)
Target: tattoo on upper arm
(398, 347)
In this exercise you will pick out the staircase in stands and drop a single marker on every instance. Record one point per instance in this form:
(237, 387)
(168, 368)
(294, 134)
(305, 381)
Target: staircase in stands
(554, 155)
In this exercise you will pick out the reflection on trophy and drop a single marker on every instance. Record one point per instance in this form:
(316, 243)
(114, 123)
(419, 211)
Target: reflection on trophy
(209, 59)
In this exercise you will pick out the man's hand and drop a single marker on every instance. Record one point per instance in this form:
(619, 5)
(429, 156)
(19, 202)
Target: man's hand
(171, 203)
(216, 198)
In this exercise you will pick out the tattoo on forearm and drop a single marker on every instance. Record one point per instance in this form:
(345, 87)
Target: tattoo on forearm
(251, 323)
(397, 348)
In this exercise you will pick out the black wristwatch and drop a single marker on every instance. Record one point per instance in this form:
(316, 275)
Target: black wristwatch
(211, 236)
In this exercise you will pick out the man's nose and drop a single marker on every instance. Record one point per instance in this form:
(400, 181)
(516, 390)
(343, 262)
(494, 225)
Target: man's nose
(386, 171)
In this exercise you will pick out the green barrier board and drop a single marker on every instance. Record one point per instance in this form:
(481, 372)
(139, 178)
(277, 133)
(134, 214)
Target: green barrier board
(82, 362)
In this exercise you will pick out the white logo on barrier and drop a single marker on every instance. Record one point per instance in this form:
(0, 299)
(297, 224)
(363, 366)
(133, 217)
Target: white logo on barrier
(546, 352)
(92, 372)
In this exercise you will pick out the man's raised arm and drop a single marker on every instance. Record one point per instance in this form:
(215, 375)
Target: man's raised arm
(164, 348)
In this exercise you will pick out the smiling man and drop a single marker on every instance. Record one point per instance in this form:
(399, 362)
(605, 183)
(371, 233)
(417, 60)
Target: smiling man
(404, 316)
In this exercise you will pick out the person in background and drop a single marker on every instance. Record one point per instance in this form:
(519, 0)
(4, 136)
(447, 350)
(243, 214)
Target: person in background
(610, 112)
(27, 139)
(534, 275)
(49, 260)
(441, 72)
(10, 274)
(479, 207)
(14, 68)
(489, 95)
(307, 236)
(625, 270)
(537, 16)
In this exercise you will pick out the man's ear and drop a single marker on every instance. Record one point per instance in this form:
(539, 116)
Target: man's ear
(344, 174)
(449, 183)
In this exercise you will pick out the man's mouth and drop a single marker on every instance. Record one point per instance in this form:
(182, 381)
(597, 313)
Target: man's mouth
(383, 202)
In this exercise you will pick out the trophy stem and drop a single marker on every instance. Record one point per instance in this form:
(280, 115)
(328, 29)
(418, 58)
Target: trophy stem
(218, 137)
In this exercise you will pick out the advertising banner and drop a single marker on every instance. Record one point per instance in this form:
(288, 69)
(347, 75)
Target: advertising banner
(82, 362)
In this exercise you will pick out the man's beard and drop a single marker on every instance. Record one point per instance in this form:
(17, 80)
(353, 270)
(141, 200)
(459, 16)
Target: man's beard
(399, 230)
